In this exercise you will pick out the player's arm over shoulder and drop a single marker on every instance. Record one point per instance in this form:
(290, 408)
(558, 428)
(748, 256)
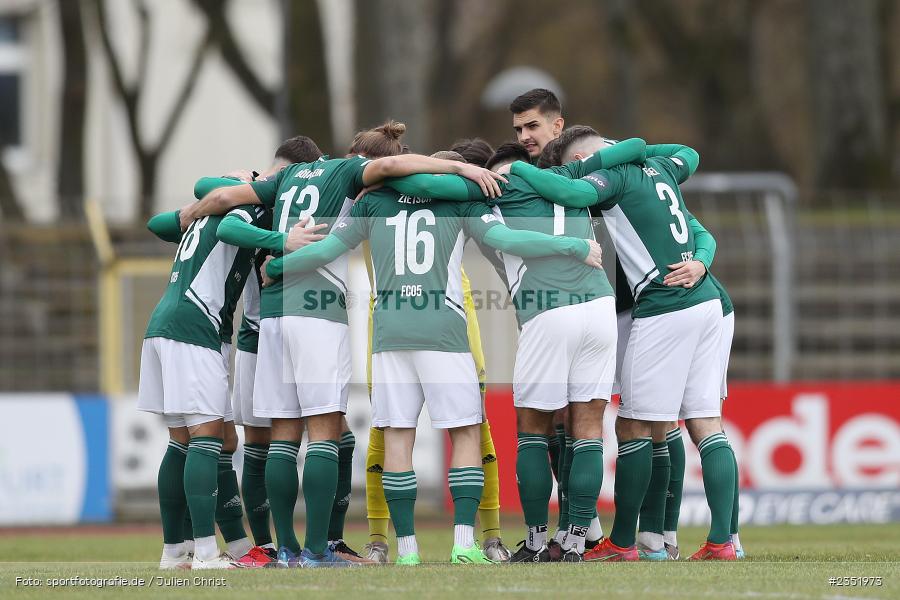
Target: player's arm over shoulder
(680, 160)
(166, 226)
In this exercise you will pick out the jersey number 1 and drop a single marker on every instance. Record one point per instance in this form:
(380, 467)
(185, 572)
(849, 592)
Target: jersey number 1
(667, 194)
(407, 238)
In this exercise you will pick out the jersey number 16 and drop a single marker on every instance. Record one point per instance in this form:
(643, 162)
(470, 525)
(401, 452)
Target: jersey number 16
(407, 238)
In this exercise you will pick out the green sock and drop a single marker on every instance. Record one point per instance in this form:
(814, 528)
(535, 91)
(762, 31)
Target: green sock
(466, 487)
(282, 485)
(653, 509)
(201, 483)
(342, 493)
(632, 478)
(188, 525)
(676, 479)
(585, 480)
(554, 452)
(400, 493)
(320, 475)
(170, 485)
(717, 462)
(253, 488)
(736, 507)
(229, 510)
(565, 469)
(534, 478)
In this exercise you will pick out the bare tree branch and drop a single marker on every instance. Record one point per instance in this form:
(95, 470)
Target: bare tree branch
(143, 47)
(187, 87)
(148, 156)
(122, 88)
(233, 56)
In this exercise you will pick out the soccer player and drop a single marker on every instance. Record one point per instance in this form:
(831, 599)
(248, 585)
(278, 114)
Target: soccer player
(479, 151)
(184, 377)
(660, 510)
(421, 351)
(296, 378)
(256, 429)
(671, 366)
(658, 522)
(667, 494)
(537, 122)
(562, 311)
(537, 119)
(475, 151)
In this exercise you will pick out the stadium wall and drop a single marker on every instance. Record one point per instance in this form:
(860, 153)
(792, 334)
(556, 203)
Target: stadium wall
(809, 453)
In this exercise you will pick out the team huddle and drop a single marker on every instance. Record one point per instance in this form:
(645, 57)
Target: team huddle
(659, 337)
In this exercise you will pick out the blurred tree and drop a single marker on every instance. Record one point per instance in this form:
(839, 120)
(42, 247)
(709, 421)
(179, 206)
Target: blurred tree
(131, 94)
(301, 104)
(467, 53)
(707, 46)
(394, 49)
(73, 104)
(849, 100)
(10, 209)
(307, 103)
(222, 35)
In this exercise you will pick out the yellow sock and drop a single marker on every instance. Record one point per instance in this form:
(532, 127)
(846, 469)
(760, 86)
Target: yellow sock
(376, 505)
(489, 509)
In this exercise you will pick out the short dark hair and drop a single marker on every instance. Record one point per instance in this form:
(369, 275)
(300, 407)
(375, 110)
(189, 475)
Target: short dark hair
(449, 155)
(298, 149)
(571, 135)
(508, 151)
(475, 150)
(550, 156)
(543, 100)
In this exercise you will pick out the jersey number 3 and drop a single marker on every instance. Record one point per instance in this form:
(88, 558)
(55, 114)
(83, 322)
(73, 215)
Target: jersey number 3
(407, 238)
(667, 194)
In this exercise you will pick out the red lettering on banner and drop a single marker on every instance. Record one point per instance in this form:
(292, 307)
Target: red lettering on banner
(802, 436)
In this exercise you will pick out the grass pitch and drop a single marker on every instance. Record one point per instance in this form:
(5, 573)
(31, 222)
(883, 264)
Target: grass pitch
(783, 562)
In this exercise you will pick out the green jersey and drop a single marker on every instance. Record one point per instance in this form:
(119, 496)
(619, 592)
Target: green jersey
(323, 191)
(248, 333)
(205, 283)
(646, 217)
(539, 284)
(727, 306)
(417, 247)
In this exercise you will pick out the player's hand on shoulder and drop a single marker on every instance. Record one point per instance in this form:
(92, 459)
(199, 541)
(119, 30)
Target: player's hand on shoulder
(685, 273)
(266, 280)
(300, 235)
(186, 215)
(241, 175)
(365, 191)
(487, 180)
(595, 255)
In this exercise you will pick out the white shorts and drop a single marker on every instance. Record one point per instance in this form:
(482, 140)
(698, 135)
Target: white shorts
(566, 354)
(184, 381)
(242, 391)
(404, 380)
(302, 368)
(672, 368)
(725, 350)
(623, 324)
